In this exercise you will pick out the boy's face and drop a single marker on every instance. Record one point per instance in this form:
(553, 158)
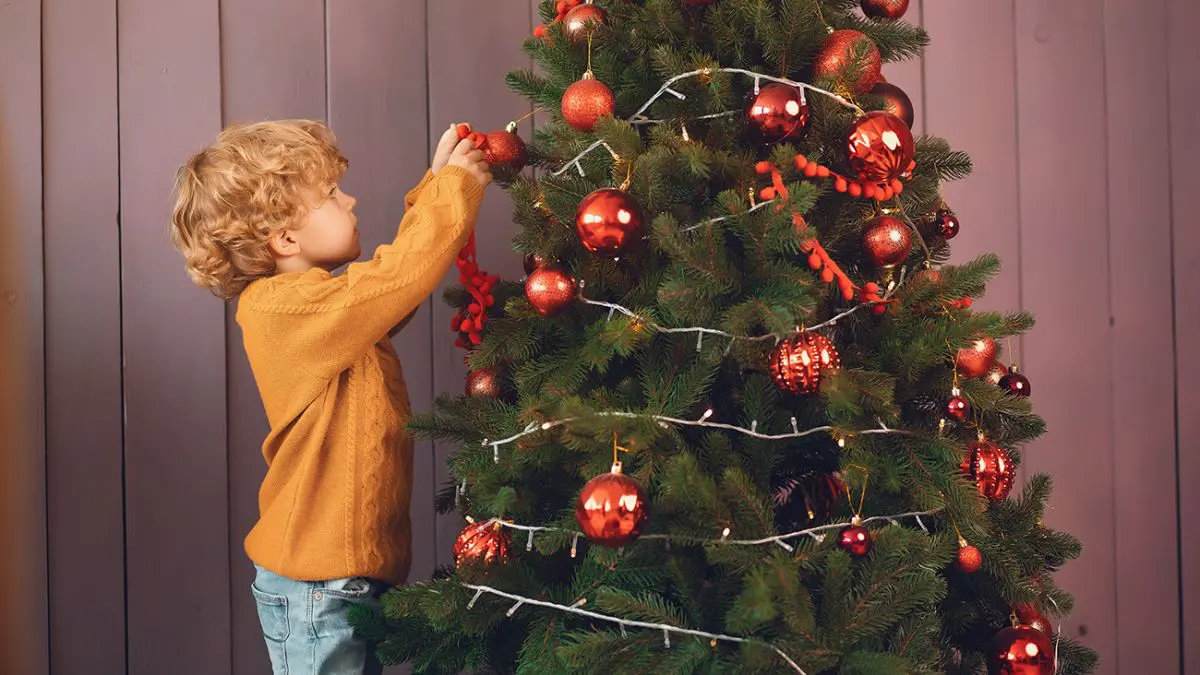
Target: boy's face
(328, 236)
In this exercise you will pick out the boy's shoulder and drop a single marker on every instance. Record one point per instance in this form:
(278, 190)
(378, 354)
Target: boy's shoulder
(287, 292)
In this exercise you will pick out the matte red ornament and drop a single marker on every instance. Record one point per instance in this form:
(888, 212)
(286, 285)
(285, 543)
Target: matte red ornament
(880, 147)
(533, 261)
(550, 290)
(799, 363)
(1028, 615)
(505, 148)
(855, 539)
(484, 542)
(947, 224)
(968, 559)
(483, 383)
(977, 358)
(991, 468)
(1023, 650)
(884, 9)
(887, 242)
(958, 408)
(1015, 383)
(611, 509)
(777, 112)
(895, 101)
(851, 57)
(608, 221)
(586, 101)
(995, 373)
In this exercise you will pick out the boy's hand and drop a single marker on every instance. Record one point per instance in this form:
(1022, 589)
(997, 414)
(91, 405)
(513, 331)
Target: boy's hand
(466, 157)
(445, 147)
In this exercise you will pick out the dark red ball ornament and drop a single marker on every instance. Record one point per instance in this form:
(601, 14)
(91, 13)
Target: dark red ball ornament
(777, 112)
(582, 20)
(483, 383)
(895, 101)
(608, 221)
(884, 9)
(977, 358)
(958, 407)
(887, 242)
(990, 467)
(1022, 650)
(1015, 383)
(586, 101)
(550, 290)
(611, 509)
(947, 224)
(880, 147)
(855, 539)
(799, 363)
(485, 542)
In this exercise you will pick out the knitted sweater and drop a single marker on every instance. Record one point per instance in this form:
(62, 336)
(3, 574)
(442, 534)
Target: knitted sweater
(335, 500)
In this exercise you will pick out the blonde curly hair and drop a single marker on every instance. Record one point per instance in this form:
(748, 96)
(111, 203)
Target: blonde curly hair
(250, 182)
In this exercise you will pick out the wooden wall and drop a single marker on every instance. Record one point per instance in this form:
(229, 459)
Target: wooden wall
(144, 421)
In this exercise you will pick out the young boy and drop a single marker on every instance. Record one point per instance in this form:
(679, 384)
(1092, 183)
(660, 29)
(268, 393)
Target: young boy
(259, 216)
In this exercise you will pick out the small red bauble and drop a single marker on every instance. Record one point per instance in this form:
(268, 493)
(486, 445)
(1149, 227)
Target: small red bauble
(977, 358)
(991, 468)
(611, 509)
(585, 102)
(895, 101)
(505, 148)
(1015, 383)
(1023, 650)
(884, 9)
(968, 559)
(582, 20)
(533, 261)
(608, 221)
(958, 407)
(799, 363)
(850, 56)
(485, 542)
(880, 147)
(887, 242)
(995, 373)
(550, 290)
(777, 112)
(947, 224)
(1028, 615)
(483, 383)
(855, 539)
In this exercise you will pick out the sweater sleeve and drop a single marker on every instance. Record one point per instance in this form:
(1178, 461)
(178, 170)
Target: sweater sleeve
(326, 322)
(415, 193)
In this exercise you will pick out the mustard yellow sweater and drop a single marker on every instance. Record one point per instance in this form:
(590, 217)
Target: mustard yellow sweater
(335, 501)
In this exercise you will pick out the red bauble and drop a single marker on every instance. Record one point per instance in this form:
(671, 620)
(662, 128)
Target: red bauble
(608, 221)
(895, 101)
(583, 19)
(968, 558)
(483, 383)
(585, 102)
(550, 290)
(887, 242)
(947, 224)
(958, 408)
(884, 9)
(777, 112)
(505, 148)
(485, 542)
(881, 147)
(991, 468)
(533, 261)
(976, 359)
(1015, 383)
(799, 363)
(1028, 615)
(611, 509)
(855, 540)
(995, 373)
(850, 56)
(1020, 651)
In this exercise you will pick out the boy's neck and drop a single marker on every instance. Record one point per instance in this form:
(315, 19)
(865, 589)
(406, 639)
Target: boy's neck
(292, 265)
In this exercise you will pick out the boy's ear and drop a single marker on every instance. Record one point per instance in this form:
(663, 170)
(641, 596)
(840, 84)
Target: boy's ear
(283, 243)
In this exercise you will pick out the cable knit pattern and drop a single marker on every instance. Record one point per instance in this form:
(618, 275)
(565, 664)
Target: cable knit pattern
(334, 502)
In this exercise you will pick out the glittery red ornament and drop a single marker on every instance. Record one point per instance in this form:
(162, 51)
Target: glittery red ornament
(958, 408)
(485, 542)
(777, 112)
(995, 373)
(550, 290)
(483, 383)
(1028, 615)
(887, 242)
(880, 147)
(583, 19)
(608, 221)
(947, 224)
(976, 359)
(851, 57)
(611, 509)
(505, 148)
(1015, 383)
(855, 539)
(991, 468)
(585, 102)
(800, 362)
(968, 559)
(895, 101)
(1020, 651)
(533, 261)
(884, 9)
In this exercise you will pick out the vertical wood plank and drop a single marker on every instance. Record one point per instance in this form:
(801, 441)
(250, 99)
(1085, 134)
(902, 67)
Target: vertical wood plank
(377, 106)
(1142, 360)
(174, 350)
(272, 67)
(1065, 248)
(468, 85)
(1183, 25)
(22, 306)
(85, 505)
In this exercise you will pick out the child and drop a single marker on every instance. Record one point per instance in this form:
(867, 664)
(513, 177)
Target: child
(259, 216)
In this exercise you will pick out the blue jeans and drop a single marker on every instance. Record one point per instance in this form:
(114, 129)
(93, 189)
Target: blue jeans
(307, 627)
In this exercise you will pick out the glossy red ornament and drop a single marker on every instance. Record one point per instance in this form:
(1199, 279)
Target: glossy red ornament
(1015, 383)
(799, 363)
(533, 261)
(991, 468)
(850, 56)
(583, 19)
(887, 242)
(995, 373)
(880, 147)
(505, 148)
(958, 408)
(608, 221)
(855, 539)
(977, 358)
(611, 509)
(1028, 615)
(777, 112)
(485, 542)
(895, 101)
(884, 9)
(968, 559)
(550, 290)
(1023, 650)
(483, 383)
(947, 224)
(585, 102)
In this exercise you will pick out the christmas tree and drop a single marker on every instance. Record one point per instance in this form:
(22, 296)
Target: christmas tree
(741, 415)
